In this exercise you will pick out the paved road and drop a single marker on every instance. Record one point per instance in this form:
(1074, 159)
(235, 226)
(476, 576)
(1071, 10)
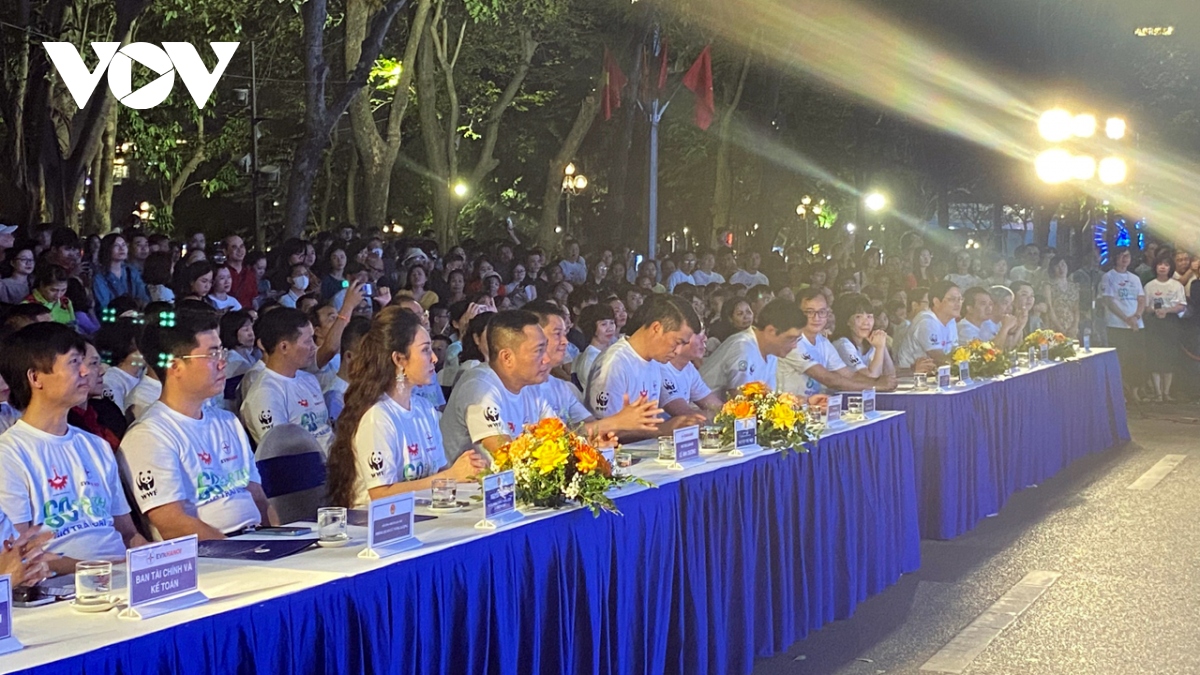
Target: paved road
(1127, 600)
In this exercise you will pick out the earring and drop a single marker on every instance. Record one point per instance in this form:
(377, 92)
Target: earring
(401, 380)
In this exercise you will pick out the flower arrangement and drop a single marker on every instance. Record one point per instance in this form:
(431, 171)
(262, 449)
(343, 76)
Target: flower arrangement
(552, 465)
(985, 358)
(1059, 345)
(783, 422)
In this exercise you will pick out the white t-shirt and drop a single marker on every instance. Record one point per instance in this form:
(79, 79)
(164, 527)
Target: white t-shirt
(432, 393)
(685, 383)
(968, 331)
(574, 272)
(274, 399)
(793, 369)
(328, 373)
(678, 277)
(68, 484)
(335, 397)
(620, 371)
(205, 463)
(290, 300)
(965, 281)
(1023, 273)
(703, 278)
(8, 531)
(1169, 292)
(854, 359)
(926, 333)
(1125, 288)
(142, 397)
(749, 280)
(481, 406)
(8, 416)
(582, 366)
(988, 331)
(393, 445)
(230, 303)
(117, 386)
(739, 361)
(239, 365)
(560, 399)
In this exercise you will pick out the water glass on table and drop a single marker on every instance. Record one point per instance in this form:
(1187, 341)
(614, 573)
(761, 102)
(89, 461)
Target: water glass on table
(710, 438)
(666, 448)
(331, 524)
(93, 583)
(854, 406)
(445, 493)
(920, 381)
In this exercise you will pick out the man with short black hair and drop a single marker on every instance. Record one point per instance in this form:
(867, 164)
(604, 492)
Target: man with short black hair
(573, 265)
(683, 275)
(933, 333)
(705, 273)
(283, 393)
(52, 474)
(335, 390)
(815, 364)
(190, 465)
(629, 369)
(976, 322)
(748, 275)
(491, 404)
(752, 355)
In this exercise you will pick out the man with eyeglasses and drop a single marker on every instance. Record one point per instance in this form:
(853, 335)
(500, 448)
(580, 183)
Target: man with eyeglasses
(190, 465)
(815, 366)
(934, 332)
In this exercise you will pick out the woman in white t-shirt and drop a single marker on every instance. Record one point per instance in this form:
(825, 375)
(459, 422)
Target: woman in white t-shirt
(388, 440)
(861, 347)
(1165, 304)
(220, 297)
(599, 325)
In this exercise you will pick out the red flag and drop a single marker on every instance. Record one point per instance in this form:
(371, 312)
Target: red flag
(614, 82)
(699, 80)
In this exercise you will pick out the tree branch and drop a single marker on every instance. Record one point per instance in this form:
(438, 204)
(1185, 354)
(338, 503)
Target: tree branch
(487, 162)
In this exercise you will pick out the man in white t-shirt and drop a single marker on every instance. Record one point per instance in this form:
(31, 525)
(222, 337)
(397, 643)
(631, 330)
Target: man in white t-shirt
(933, 333)
(683, 275)
(52, 474)
(628, 371)
(749, 276)
(190, 466)
(752, 355)
(683, 389)
(976, 323)
(814, 365)
(563, 398)
(704, 273)
(491, 404)
(573, 265)
(284, 393)
(1124, 297)
(335, 389)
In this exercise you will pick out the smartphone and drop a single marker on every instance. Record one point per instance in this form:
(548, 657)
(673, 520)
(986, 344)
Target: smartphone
(368, 290)
(1158, 303)
(285, 531)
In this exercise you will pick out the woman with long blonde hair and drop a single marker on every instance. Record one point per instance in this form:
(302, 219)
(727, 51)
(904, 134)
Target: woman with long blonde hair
(388, 441)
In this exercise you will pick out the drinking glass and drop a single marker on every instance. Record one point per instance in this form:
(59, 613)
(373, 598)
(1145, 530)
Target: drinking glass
(93, 582)
(854, 406)
(331, 523)
(624, 460)
(710, 438)
(445, 493)
(921, 381)
(666, 448)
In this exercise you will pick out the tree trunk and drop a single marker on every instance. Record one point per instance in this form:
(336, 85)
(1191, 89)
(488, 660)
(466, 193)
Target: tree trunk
(320, 115)
(723, 188)
(352, 189)
(100, 198)
(570, 145)
(435, 145)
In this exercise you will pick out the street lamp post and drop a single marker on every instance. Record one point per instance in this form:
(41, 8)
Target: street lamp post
(573, 183)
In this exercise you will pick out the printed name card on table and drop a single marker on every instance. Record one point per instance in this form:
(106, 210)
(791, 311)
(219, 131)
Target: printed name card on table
(964, 372)
(1044, 353)
(8, 643)
(943, 377)
(833, 413)
(745, 437)
(687, 448)
(162, 578)
(868, 404)
(390, 527)
(499, 501)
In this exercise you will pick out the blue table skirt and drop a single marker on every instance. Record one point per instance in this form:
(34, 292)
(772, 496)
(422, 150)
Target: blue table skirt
(699, 576)
(977, 447)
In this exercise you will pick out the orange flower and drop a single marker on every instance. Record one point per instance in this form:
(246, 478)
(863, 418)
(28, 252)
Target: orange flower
(586, 459)
(742, 409)
(755, 389)
(549, 428)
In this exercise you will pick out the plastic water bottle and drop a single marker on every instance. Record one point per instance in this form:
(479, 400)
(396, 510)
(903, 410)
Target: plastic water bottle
(1087, 339)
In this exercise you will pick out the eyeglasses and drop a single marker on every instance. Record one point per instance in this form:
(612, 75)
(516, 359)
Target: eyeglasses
(219, 355)
(23, 260)
(812, 313)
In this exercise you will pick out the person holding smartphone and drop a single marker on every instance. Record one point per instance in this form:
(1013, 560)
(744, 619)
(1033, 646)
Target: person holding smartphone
(1165, 304)
(190, 466)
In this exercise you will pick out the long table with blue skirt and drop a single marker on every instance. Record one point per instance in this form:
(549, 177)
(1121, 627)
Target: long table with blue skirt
(719, 564)
(977, 445)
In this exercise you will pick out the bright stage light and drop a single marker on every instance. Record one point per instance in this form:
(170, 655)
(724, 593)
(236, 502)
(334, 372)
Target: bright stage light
(1084, 126)
(1114, 128)
(1113, 170)
(1054, 166)
(1056, 125)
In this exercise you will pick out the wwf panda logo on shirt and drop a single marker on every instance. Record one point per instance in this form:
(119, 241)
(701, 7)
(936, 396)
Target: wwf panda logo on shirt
(265, 419)
(108, 394)
(602, 400)
(145, 483)
(376, 462)
(491, 414)
(669, 386)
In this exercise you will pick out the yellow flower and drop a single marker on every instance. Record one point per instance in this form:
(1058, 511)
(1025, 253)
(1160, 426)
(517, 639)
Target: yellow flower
(550, 456)
(790, 399)
(960, 355)
(782, 416)
(989, 356)
(755, 389)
